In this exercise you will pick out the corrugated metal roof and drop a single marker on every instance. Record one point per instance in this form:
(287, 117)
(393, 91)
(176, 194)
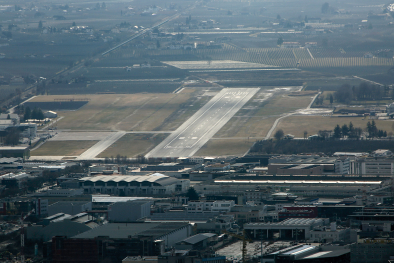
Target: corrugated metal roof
(198, 238)
(126, 230)
(157, 178)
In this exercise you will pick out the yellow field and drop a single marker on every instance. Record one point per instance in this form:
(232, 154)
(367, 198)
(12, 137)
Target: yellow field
(132, 145)
(63, 148)
(296, 125)
(120, 111)
(261, 122)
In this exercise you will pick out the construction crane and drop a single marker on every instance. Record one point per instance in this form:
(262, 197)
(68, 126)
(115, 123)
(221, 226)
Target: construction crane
(244, 240)
(23, 234)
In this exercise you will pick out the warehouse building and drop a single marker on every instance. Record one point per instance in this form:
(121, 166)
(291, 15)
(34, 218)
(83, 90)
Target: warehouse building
(130, 211)
(15, 151)
(11, 180)
(373, 166)
(71, 208)
(60, 225)
(290, 229)
(305, 253)
(197, 242)
(303, 165)
(113, 242)
(131, 185)
(372, 250)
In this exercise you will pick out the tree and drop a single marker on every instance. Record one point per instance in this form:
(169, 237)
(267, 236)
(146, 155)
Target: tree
(37, 114)
(344, 94)
(192, 194)
(345, 130)
(325, 8)
(40, 25)
(280, 41)
(279, 134)
(351, 130)
(337, 132)
(372, 129)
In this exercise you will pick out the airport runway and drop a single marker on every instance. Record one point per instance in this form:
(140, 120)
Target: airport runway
(197, 130)
(99, 147)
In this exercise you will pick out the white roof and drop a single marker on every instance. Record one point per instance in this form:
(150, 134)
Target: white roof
(297, 182)
(156, 178)
(115, 199)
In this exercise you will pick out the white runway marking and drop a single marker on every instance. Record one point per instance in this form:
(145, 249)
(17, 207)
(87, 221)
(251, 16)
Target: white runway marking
(197, 130)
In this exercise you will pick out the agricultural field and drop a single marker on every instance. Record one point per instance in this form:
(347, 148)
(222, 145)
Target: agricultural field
(133, 145)
(296, 125)
(63, 148)
(258, 116)
(279, 57)
(222, 147)
(138, 112)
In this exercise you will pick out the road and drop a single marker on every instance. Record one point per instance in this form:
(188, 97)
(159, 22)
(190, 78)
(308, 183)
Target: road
(197, 130)
(142, 32)
(269, 134)
(370, 81)
(99, 147)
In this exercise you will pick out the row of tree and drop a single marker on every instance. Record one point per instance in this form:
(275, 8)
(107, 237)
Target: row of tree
(355, 132)
(36, 114)
(347, 131)
(344, 131)
(364, 91)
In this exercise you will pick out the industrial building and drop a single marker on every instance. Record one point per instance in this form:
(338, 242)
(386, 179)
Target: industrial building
(372, 250)
(306, 164)
(114, 242)
(290, 229)
(130, 185)
(305, 253)
(298, 185)
(60, 225)
(190, 256)
(71, 208)
(210, 206)
(373, 166)
(332, 234)
(11, 180)
(15, 151)
(197, 242)
(129, 211)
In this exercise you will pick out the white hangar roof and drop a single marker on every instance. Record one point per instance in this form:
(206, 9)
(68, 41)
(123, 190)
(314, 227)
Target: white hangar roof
(160, 179)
